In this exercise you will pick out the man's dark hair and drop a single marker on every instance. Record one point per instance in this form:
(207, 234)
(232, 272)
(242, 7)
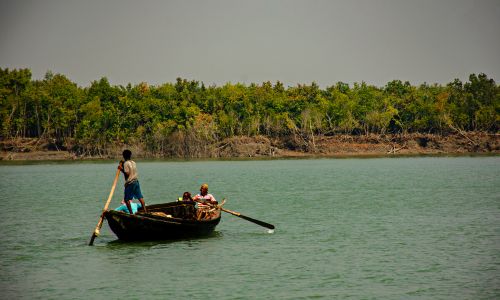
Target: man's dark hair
(127, 154)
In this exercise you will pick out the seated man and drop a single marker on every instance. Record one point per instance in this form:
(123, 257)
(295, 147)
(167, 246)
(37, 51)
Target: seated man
(206, 203)
(135, 207)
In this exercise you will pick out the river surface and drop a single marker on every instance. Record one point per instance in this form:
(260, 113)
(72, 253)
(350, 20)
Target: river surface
(379, 228)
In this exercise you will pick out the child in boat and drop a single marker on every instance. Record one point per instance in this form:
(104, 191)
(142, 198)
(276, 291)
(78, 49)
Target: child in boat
(206, 203)
(186, 197)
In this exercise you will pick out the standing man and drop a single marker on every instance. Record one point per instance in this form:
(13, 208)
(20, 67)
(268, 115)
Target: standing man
(132, 187)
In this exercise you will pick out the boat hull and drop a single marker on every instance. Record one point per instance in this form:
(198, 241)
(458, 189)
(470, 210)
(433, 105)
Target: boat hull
(181, 224)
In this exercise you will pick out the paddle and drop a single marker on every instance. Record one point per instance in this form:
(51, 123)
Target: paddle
(101, 219)
(261, 223)
(234, 213)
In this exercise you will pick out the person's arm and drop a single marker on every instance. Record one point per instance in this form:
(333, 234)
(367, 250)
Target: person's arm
(212, 199)
(125, 168)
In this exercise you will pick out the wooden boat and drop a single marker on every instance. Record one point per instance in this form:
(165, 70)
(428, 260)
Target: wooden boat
(165, 221)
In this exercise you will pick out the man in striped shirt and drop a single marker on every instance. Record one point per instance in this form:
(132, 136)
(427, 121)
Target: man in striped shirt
(205, 202)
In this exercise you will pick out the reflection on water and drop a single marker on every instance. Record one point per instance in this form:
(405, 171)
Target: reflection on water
(149, 244)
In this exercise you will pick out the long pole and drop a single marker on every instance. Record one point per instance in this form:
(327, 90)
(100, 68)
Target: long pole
(101, 219)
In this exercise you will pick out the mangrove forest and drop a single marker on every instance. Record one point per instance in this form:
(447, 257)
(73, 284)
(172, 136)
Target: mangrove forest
(186, 118)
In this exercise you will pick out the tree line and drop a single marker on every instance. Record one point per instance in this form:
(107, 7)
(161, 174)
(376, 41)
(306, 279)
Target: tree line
(189, 115)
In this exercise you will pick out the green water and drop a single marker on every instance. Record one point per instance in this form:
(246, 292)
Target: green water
(403, 228)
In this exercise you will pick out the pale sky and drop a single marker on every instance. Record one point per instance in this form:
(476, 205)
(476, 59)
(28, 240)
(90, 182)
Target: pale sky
(375, 41)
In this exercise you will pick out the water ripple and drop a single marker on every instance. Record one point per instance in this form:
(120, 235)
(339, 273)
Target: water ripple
(425, 228)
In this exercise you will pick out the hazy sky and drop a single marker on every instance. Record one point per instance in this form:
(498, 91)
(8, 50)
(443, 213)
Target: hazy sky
(223, 41)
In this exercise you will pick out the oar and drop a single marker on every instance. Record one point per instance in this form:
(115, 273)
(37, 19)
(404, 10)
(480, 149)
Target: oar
(99, 224)
(261, 223)
(234, 213)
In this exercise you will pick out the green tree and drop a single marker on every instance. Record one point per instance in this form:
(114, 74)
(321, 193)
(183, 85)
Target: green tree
(14, 109)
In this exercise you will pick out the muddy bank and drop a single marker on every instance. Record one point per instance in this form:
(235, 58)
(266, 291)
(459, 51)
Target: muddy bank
(291, 146)
(364, 145)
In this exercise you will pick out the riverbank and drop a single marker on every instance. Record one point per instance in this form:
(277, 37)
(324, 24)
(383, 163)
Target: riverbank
(292, 146)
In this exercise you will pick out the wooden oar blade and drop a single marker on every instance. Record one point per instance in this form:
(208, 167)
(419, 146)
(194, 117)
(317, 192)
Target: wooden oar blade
(234, 213)
(261, 223)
